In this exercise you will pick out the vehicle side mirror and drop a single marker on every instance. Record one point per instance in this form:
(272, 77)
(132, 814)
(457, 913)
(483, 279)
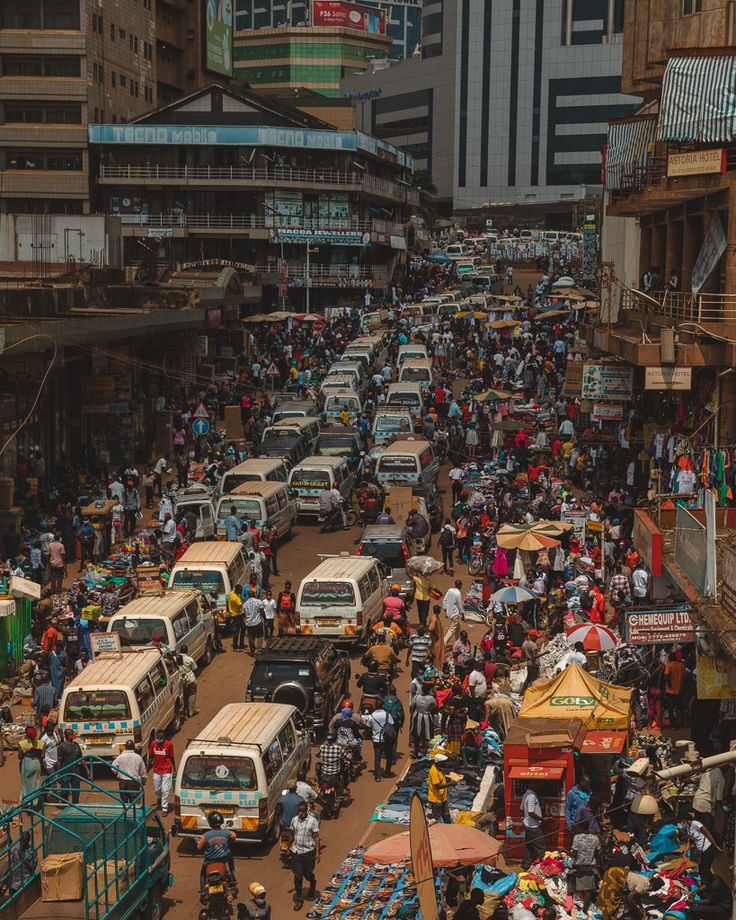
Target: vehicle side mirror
(356, 542)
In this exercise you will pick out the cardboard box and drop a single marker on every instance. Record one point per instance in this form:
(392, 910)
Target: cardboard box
(105, 874)
(62, 877)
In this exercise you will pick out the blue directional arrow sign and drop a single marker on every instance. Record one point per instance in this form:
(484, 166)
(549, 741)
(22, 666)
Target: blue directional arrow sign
(201, 426)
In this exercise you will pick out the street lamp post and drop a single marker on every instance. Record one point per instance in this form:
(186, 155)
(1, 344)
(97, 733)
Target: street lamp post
(309, 277)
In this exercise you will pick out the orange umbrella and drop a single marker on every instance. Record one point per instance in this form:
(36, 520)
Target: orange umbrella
(451, 844)
(529, 541)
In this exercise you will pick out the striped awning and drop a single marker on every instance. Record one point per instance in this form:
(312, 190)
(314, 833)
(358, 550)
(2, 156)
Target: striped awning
(699, 99)
(628, 142)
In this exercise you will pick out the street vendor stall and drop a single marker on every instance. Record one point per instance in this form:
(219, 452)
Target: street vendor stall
(571, 718)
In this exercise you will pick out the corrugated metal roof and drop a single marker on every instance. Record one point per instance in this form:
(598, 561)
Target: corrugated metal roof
(112, 670)
(244, 723)
(214, 551)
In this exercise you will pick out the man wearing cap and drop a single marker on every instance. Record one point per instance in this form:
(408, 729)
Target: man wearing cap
(257, 908)
(437, 785)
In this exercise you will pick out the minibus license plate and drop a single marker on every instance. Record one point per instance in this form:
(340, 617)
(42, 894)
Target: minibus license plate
(100, 739)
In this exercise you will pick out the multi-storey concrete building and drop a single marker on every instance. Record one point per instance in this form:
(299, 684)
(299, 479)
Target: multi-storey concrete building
(671, 193)
(234, 176)
(403, 19)
(510, 101)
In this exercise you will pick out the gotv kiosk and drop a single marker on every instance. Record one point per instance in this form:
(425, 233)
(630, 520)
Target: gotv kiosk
(572, 718)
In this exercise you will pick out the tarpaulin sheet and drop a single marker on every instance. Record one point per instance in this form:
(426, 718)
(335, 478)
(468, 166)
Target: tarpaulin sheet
(575, 694)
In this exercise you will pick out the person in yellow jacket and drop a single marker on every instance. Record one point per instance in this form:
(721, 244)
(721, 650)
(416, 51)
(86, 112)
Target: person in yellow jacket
(422, 588)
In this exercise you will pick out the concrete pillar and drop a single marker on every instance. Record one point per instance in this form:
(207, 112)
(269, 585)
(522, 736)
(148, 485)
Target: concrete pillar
(673, 258)
(730, 257)
(692, 238)
(658, 250)
(645, 250)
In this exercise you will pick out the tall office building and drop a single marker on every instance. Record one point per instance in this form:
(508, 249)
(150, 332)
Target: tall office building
(403, 19)
(509, 102)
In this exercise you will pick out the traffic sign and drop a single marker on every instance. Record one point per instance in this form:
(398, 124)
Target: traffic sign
(271, 370)
(201, 426)
(201, 412)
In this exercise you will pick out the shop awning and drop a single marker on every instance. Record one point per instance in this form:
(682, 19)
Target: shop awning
(575, 694)
(536, 771)
(627, 146)
(699, 99)
(603, 743)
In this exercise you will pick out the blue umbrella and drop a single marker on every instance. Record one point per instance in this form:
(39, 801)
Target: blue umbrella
(512, 595)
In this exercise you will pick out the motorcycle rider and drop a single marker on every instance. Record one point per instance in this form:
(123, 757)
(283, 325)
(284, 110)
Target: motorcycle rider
(330, 502)
(372, 684)
(331, 768)
(216, 846)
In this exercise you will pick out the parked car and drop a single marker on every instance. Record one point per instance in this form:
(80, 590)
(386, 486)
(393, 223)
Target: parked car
(392, 545)
(308, 673)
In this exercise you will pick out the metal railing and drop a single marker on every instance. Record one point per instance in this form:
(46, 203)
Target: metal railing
(653, 175)
(261, 175)
(681, 306)
(318, 271)
(183, 219)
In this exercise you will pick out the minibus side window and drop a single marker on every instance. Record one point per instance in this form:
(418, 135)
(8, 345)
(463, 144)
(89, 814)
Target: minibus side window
(272, 506)
(158, 678)
(144, 695)
(192, 611)
(364, 586)
(272, 760)
(282, 499)
(375, 580)
(180, 625)
(287, 737)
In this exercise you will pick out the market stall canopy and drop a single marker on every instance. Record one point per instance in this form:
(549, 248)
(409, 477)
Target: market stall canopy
(510, 424)
(512, 595)
(308, 317)
(549, 314)
(493, 394)
(504, 324)
(528, 541)
(452, 845)
(564, 281)
(507, 298)
(575, 694)
(465, 313)
(594, 636)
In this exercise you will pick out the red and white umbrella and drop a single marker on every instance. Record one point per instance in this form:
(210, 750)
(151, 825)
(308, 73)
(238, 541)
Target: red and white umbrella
(594, 636)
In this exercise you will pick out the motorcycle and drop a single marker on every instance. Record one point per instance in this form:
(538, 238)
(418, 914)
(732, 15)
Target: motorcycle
(220, 893)
(284, 851)
(330, 797)
(332, 520)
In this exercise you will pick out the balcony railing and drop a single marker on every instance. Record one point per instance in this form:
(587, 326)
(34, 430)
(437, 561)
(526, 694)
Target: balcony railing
(170, 221)
(325, 275)
(681, 306)
(653, 175)
(260, 175)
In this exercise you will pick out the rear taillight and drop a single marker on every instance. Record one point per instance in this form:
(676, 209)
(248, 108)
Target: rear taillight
(263, 810)
(406, 554)
(359, 618)
(137, 734)
(177, 806)
(360, 550)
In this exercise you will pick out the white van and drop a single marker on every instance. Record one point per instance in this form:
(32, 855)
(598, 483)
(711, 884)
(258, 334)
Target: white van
(389, 423)
(336, 381)
(297, 408)
(408, 395)
(122, 697)
(315, 474)
(239, 765)
(417, 370)
(407, 460)
(307, 428)
(261, 504)
(213, 569)
(338, 400)
(457, 251)
(342, 598)
(199, 501)
(263, 469)
(413, 351)
(345, 376)
(178, 618)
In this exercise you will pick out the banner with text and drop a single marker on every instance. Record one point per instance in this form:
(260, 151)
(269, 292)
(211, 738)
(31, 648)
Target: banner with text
(659, 627)
(607, 381)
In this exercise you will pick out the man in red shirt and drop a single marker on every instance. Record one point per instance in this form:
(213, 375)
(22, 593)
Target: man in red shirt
(533, 471)
(50, 637)
(161, 758)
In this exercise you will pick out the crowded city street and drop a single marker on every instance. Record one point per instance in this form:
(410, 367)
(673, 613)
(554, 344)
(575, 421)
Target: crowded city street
(420, 571)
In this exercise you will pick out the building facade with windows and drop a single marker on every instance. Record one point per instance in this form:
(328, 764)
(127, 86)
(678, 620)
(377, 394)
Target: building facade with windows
(530, 86)
(403, 19)
(232, 176)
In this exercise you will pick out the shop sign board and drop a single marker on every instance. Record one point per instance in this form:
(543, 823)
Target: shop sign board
(716, 678)
(421, 859)
(326, 237)
(576, 517)
(697, 162)
(219, 37)
(607, 381)
(727, 572)
(668, 378)
(659, 627)
(691, 548)
(148, 578)
(647, 540)
(104, 642)
(608, 412)
(573, 379)
(348, 16)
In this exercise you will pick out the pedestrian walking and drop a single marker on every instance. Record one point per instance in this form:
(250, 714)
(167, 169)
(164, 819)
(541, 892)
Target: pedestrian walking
(254, 615)
(70, 777)
(452, 604)
(235, 615)
(188, 671)
(304, 846)
(447, 545)
(269, 613)
(383, 737)
(161, 759)
(130, 769)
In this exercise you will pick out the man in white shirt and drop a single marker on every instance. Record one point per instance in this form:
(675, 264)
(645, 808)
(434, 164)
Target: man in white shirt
(566, 428)
(640, 583)
(456, 478)
(159, 469)
(534, 845)
(477, 689)
(383, 738)
(576, 656)
(455, 611)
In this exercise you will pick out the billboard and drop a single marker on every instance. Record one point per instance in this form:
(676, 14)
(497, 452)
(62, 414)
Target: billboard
(659, 627)
(218, 37)
(348, 16)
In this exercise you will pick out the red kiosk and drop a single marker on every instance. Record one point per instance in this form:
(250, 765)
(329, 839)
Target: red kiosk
(571, 713)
